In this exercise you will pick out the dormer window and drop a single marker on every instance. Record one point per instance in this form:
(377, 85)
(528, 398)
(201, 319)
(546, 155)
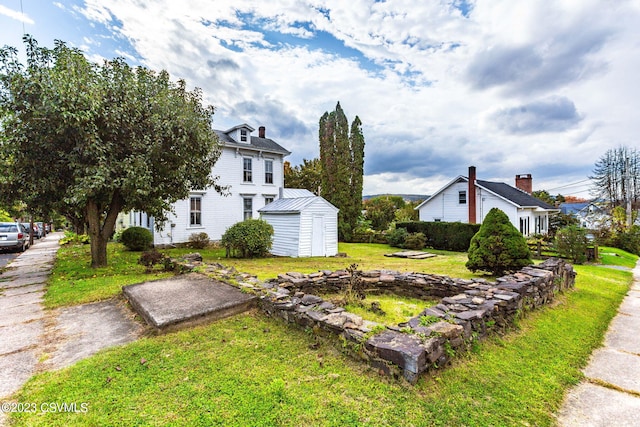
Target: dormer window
(243, 135)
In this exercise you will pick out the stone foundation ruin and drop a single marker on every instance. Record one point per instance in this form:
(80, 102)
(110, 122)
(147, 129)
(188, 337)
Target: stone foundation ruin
(468, 311)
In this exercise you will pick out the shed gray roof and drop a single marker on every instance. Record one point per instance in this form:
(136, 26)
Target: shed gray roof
(256, 143)
(292, 193)
(294, 205)
(514, 195)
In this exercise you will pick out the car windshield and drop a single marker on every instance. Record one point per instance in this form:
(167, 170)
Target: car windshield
(8, 228)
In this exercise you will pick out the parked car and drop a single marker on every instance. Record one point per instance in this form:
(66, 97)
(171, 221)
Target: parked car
(43, 229)
(14, 235)
(36, 230)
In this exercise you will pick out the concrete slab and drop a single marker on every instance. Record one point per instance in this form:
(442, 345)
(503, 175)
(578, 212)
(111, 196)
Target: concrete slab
(83, 330)
(20, 314)
(182, 301)
(615, 367)
(27, 279)
(623, 333)
(11, 301)
(20, 336)
(631, 304)
(15, 370)
(22, 290)
(589, 405)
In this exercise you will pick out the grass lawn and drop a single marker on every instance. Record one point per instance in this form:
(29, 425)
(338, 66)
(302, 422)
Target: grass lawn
(397, 309)
(253, 370)
(368, 256)
(74, 282)
(615, 256)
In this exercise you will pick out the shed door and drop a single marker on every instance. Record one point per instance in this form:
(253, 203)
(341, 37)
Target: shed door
(317, 236)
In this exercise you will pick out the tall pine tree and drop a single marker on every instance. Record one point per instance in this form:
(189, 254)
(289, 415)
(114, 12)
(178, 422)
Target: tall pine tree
(342, 161)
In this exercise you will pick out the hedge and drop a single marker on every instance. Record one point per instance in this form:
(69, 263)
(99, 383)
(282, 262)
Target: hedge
(449, 236)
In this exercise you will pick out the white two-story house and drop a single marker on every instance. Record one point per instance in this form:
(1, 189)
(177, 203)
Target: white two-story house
(252, 167)
(467, 199)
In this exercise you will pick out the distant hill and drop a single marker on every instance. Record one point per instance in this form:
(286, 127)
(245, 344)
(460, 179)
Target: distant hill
(405, 197)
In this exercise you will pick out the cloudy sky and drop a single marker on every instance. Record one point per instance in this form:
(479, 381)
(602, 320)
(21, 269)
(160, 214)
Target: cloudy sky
(510, 86)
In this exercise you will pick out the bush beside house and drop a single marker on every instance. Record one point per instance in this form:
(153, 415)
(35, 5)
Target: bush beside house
(498, 247)
(448, 236)
(137, 238)
(248, 239)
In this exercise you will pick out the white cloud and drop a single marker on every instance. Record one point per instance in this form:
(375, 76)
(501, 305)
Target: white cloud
(429, 84)
(14, 14)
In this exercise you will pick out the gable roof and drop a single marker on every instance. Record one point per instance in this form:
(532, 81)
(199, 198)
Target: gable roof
(293, 205)
(514, 195)
(511, 194)
(457, 179)
(579, 208)
(255, 143)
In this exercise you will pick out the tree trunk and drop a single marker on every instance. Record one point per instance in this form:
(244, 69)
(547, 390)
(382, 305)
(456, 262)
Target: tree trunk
(100, 230)
(98, 251)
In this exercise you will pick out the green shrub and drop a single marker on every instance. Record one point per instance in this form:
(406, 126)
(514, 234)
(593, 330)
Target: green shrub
(199, 240)
(415, 241)
(137, 238)
(397, 237)
(71, 238)
(498, 247)
(448, 236)
(248, 239)
(571, 242)
(628, 240)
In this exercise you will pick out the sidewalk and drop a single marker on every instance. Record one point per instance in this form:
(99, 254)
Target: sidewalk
(33, 339)
(610, 393)
(22, 316)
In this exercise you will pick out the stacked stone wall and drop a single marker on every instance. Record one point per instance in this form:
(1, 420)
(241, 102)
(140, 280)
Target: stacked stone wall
(468, 310)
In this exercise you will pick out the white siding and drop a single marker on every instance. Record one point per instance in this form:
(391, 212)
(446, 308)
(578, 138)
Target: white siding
(486, 201)
(330, 228)
(293, 231)
(446, 205)
(219, 212)
(286, 232)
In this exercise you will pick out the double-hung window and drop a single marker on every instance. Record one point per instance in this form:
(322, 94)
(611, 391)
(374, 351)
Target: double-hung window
(247, 207)
(462, 197)
(268, 171)
(195, 211)
(247, 174)
(243, 135)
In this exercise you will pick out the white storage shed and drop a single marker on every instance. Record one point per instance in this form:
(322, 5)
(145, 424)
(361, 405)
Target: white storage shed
(303, 226)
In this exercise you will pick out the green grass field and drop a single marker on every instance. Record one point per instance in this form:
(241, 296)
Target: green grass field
(251, 370)
(74, 282)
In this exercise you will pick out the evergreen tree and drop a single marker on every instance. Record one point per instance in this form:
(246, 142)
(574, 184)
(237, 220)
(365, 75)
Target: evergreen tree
(342, 163)
(498, 247)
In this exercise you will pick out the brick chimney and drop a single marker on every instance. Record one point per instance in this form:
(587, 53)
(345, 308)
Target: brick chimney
(261, 131)
(471, 194)
(525, 182)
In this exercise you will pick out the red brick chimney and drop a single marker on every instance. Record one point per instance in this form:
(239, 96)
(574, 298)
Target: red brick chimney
(525, 182)
(261, 131)
(471, 194)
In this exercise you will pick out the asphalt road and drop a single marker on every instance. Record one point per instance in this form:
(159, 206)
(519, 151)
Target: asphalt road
(5, 257)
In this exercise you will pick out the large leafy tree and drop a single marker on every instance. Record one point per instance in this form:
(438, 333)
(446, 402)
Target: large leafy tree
(307, 175)
(342, 162)
(498, 246)
(91, 140)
